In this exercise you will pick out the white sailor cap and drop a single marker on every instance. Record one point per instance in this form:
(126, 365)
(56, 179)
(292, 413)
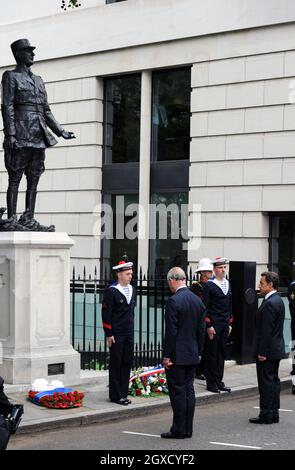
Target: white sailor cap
(123, 266)
(219, 261)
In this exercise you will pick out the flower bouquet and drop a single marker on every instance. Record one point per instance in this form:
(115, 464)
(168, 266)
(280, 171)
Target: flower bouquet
(54, 395)
(148, 382)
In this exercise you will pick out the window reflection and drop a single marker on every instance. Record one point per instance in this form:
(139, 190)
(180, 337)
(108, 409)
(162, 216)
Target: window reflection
(171, 115)
(171, 250)
(122, 119)
(282, 229)
(117, 243)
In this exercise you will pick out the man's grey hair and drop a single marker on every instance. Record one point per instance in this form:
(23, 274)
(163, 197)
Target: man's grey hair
(176, 273)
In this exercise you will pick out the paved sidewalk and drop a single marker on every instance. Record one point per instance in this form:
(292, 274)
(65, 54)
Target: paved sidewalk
(97, 408)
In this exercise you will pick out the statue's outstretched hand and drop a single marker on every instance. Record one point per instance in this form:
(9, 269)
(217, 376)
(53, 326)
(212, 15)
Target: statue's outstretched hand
(68, 135)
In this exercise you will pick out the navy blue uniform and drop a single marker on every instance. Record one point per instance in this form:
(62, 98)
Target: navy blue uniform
(184, 338)
(219, 315)
(269, 342)
(118, 321)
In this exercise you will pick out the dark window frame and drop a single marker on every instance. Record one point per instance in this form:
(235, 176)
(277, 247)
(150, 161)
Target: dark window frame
(273, 258)
(106, 160)
(103, 271)
(155, 72)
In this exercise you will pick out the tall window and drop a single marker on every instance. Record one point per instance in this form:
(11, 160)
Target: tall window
(122, 119)
(120, 230)
(171, 114)
(282, 246)
(169, 219)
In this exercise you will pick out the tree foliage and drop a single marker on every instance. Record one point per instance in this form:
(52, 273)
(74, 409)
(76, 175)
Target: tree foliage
(65, 4)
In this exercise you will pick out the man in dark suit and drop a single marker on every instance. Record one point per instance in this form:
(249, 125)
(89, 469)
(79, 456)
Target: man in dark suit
(26, 118)
(184, 339)
(118, 323)
(269, 348)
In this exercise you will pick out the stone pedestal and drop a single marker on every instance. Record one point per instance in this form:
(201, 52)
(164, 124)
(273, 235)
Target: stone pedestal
(35, 308)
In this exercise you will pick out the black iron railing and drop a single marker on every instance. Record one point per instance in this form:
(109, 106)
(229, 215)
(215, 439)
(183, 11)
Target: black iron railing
(87, 334)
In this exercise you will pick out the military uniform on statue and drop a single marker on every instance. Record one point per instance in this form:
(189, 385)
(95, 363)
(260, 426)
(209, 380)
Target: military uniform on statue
(205, 272)
(118, 323)
(26, 116)
(218, 302)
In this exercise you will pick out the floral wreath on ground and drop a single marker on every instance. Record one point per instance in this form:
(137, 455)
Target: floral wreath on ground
(54, 395)
(148, 382)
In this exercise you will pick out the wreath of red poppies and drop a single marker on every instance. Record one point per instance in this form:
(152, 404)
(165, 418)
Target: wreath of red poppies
(59, 400)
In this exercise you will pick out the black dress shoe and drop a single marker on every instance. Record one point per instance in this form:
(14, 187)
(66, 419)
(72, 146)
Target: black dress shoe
(213, 389)
(128, 401)
(189, 434)
(261, 420)
(122, 401)
(200, 377)
(276, 418)
(223, 388)
(171, 435)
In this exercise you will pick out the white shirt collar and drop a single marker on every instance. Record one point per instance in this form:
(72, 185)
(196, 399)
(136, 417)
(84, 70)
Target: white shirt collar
(181, 287)
(269, 294)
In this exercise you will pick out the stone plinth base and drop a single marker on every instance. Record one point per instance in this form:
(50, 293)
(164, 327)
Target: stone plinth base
(35, 308)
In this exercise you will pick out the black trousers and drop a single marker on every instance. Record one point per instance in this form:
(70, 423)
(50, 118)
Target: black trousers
(121, 361)
(215, 355)
(269, 386)
(180, 380)
(5, 405)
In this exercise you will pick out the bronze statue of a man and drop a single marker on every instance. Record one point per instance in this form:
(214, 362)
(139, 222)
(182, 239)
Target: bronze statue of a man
(26, 118)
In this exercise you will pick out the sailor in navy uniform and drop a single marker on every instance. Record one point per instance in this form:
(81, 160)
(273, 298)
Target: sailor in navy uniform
(205, 272)
(218, 301)
(118, 323)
